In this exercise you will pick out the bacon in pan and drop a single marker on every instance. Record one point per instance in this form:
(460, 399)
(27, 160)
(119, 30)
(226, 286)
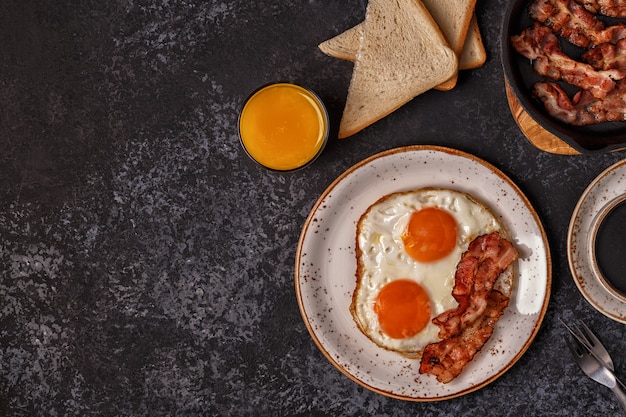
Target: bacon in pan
(577, 25)
(607, 56)
(583, 109)
(540, 44)
(611, 8)
(567, 18)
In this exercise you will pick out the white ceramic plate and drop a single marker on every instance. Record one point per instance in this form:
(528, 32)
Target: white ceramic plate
(603, 190)
(326, 264)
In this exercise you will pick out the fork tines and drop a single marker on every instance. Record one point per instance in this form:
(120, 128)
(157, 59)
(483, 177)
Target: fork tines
(587, 340)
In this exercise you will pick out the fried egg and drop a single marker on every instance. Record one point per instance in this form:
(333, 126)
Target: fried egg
(408, 247)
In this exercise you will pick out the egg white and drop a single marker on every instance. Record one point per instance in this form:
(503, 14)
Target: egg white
(382, 258)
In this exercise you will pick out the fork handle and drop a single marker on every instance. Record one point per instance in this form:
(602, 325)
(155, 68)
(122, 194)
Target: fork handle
(620, 394)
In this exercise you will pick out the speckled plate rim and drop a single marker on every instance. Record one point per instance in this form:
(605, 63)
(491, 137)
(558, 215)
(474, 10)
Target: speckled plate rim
(325, 266)
(608, 186)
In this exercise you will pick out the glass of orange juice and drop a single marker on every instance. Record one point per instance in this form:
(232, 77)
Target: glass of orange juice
(283, 126)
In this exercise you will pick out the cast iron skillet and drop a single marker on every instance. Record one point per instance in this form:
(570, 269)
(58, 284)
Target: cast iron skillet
(518, 71)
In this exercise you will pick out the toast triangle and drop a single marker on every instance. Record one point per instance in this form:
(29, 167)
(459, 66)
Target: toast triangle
(453, 17)
(402, 54)
(474, 54)
(346, 45)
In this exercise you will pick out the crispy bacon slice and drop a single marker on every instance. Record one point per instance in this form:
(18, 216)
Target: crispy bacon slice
(567, 18)
(583, 109)
(607, 56)
(485, 259)
(571, 20)
(611, 8)
(558, 104)
(466, 329)
(611, 34)
(446, 359)
(541, 45)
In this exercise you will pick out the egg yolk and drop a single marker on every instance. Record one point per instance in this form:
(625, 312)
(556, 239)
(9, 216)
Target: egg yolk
(403, 308)
(430, 235)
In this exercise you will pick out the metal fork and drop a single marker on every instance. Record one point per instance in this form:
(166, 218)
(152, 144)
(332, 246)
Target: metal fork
(589, 340)
(595, 370)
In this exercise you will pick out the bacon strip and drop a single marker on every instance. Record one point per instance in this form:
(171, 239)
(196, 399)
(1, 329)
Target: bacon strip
(611, 8)
(540, 44)
(567, 18)
(559, 105)
(607, 56)
(446, 359)
(485, 259)
(577, 25)
(583, 109)
(467, 328)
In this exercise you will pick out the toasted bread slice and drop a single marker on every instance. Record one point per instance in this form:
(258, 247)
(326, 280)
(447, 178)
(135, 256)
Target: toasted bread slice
(346, 44)
(402, 54)
(453, 17)
(474, 54)
(457, 21)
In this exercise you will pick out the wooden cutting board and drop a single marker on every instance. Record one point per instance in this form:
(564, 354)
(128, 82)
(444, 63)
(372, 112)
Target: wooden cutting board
(537, 135)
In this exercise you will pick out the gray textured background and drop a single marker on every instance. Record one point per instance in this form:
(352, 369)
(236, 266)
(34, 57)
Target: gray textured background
(146, 266)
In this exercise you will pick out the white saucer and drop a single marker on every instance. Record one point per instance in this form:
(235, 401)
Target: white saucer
(604, 192)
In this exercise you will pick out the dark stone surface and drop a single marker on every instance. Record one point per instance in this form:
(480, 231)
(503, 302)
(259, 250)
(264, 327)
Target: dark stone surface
(146, 266)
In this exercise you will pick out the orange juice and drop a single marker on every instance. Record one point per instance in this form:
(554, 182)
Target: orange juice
(283, 126)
